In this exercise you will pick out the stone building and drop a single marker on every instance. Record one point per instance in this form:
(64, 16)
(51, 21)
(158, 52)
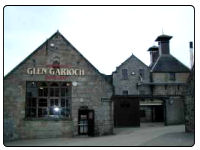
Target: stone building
(174, 82)
(169, 77)
(128, 74)
(127, 93)
(56, 92)
(157, 91)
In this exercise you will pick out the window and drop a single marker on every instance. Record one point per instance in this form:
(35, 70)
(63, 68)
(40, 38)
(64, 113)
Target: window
(48, 99)
(31, 109)
(172, 76)
(141, 74)
(125, 104)
(124, 74)
(125, 92)
(42, 91)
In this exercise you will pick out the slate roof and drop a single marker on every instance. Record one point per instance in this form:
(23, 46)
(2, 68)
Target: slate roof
(168, 63)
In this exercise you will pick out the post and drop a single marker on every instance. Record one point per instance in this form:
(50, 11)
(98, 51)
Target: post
(191, 54)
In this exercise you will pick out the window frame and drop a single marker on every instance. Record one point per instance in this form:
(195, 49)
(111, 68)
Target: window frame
(124, 74)
(40, 110)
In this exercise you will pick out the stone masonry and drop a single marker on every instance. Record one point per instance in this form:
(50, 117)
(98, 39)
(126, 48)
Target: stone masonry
(190, 104)
(90, 89)
(133, 65)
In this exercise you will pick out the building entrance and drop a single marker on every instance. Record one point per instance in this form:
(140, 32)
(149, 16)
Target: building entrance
(151, 113)
(85, 121)
(126, 111)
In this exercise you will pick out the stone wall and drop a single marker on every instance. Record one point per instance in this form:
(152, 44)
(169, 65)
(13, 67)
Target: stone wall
(90, 88)
(174, 109)
(189, 114)
(165, 77)
(132, 65)
(174, 105)
(190, 104)
(169, 89)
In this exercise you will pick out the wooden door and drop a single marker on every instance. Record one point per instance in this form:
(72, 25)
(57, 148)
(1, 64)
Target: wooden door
(126, 112)
(86, 122)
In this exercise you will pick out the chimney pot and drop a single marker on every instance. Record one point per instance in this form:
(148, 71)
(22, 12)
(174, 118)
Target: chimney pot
(191, 44)
(163, 42)
(191, 54)
(153, 54)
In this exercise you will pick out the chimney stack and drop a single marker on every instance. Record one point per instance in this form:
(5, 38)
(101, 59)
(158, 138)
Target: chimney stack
(163, 43)
(153, 54)
(191, 54)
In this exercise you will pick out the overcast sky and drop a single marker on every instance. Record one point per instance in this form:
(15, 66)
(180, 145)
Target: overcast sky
(106, 36)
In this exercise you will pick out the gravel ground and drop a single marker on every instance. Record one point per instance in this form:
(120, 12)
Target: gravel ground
(147, 135)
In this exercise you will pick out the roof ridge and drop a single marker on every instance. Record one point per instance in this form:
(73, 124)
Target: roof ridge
(132, 55)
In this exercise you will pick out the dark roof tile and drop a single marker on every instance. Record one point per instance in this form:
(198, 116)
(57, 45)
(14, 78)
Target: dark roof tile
(168, 63)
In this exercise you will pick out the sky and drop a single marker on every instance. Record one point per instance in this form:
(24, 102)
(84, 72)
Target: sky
(105, 35)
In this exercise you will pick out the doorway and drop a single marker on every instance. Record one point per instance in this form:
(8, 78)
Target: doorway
(126, 111)
(151, 113)
(159, 113)
(85, 121)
